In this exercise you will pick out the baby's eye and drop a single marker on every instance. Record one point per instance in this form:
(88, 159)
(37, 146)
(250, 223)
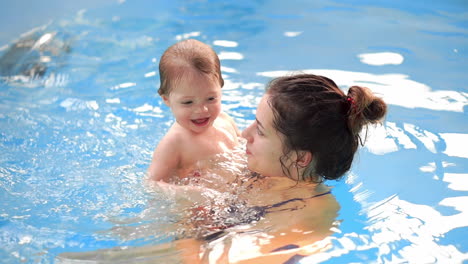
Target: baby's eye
(187, 102)
(212, 99)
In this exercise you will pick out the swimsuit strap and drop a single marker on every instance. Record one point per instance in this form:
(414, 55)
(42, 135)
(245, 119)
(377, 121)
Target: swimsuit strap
(294, 199)
(244, 216)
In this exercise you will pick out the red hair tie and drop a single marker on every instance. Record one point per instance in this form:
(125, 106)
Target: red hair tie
(350, 100)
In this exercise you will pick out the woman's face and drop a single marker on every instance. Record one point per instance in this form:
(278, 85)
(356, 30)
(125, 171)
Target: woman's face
(264, 142)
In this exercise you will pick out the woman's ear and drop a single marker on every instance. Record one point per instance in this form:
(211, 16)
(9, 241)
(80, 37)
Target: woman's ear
(304, 158)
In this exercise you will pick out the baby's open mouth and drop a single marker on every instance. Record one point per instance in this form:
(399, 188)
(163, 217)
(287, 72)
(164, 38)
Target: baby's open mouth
(201, 121)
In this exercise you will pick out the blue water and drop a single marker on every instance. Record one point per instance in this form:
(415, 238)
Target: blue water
(76, 140)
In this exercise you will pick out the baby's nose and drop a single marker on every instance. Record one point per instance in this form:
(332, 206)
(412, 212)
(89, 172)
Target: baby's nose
(202, 108)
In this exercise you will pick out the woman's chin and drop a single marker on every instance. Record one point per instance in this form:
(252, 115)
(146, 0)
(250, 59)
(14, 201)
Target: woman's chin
(251, 168)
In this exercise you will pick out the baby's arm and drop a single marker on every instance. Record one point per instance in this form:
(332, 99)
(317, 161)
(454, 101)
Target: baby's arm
(165, 159)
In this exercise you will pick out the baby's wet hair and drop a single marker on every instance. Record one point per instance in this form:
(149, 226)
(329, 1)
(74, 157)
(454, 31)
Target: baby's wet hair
(186, 57)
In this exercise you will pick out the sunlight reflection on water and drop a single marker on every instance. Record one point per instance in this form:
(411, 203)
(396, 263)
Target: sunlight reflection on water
(78, 128)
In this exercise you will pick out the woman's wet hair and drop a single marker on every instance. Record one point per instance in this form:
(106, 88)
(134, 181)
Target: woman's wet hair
(314, 115)
(186, 57)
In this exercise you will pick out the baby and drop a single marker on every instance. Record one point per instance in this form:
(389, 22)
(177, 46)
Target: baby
(191, 85)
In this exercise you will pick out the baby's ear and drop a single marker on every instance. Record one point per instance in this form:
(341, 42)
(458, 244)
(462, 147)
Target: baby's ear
(165, 99)
(304, 158)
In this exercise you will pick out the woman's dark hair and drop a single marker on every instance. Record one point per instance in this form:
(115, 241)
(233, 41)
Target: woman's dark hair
(314, 115)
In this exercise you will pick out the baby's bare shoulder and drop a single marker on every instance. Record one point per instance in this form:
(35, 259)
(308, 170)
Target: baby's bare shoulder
(225, 119)
(229, 123)
(173, 138)
(224, 115)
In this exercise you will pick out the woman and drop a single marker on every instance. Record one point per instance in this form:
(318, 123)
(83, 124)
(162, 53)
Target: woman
(306, 131)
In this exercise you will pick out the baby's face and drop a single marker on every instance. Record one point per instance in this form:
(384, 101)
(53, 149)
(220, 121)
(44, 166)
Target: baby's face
(195, 102)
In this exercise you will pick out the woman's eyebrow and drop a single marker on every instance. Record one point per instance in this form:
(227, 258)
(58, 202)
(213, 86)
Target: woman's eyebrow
(259, 123)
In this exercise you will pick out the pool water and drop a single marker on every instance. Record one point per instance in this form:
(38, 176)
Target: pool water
(80, 117)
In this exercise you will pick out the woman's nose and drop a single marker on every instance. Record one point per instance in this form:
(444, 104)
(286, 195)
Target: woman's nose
(246, 133)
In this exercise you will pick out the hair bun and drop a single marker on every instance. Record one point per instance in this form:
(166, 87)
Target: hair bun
(365, 108)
